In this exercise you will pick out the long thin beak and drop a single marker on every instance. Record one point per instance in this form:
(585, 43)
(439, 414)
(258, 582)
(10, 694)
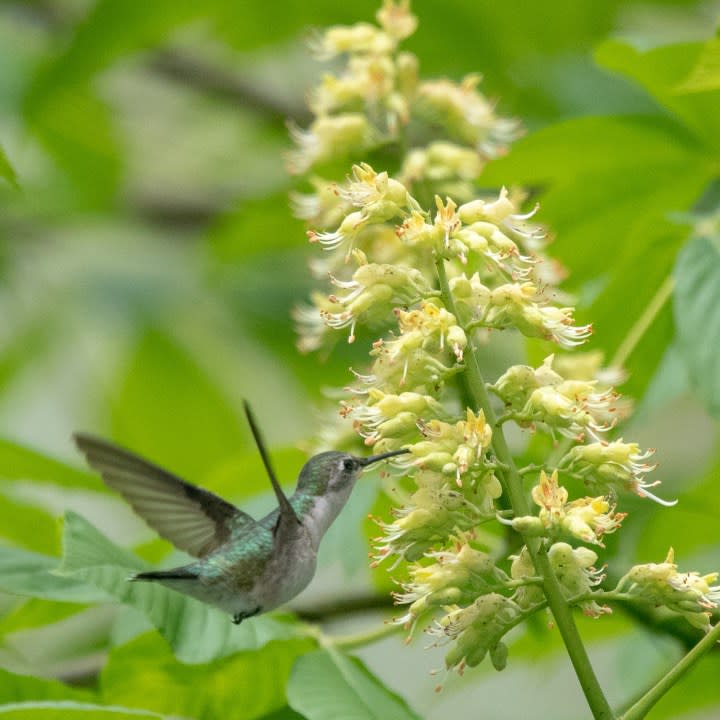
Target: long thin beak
(376, 458)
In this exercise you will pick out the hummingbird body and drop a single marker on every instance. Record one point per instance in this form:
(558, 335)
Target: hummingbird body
(244, 566)
(246, 575)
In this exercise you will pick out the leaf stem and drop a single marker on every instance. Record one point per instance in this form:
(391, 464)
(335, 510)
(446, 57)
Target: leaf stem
(632, 339)
(557, 603)
(641, 708)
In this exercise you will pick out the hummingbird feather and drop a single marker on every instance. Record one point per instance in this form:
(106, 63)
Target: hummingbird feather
(192, 519)
(287, 513)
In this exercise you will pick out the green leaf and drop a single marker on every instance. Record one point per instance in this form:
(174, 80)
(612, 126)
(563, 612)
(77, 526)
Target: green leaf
(6, 169)
(197, 632)
(609, 186)
(602, 178)
(76, 129)
(623, 306)
(697, 317)
(663, 72)
(193, 426)
(268, 219)
(284, 713)
(326, 685)
(247, 685)
(28, 526)
(18, 462)
(244, 474)
(705, 75)
(111, 30)
(34, 613)
(17, 688)
(68, 710)
(30, 574)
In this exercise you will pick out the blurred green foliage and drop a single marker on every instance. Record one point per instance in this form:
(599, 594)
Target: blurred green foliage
(148, 264)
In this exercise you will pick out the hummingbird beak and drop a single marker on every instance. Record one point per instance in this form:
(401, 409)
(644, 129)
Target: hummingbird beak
(364, 462)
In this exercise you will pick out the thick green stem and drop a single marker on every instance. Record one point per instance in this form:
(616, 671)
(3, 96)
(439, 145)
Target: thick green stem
(641, 708)
(557, 603)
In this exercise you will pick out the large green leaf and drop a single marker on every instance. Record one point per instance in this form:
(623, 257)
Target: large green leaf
(18, 688)
(76, 129)
(171, 410)
(637, 290)
(247, 685)
(697, 317)
(705, 75)
(18, 462)
(197, 632)
(28, 526)
(663, 72)
(30, 574)
(111, 30)
(609, 185)
(6, 169)
(73, 124)
(326, 685)
(31, 613)
(69, 710)
(257, 226)
(602, 179)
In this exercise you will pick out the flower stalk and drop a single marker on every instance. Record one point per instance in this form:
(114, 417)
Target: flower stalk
(432, 272)
(557, 603)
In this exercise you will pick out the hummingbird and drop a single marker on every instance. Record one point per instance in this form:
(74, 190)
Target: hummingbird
(244, 566)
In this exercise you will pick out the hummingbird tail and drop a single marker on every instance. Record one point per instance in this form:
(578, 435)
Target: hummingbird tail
(174, 574)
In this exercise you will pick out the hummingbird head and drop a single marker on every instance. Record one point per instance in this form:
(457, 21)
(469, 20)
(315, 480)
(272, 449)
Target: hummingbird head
(325, 484)
(336, 472)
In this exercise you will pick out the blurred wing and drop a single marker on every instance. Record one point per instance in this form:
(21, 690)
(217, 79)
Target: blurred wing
(191, 518)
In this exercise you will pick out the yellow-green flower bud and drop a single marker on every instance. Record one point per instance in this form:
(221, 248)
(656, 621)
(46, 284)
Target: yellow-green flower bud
(515, 385)
(495, 211)
(357, 38)
(613, 465)
(396, 19)
(521, 568)
(328, 137)
(573, 568)
(586, 518)
(690, 594)
(499, 655)
(528, 525)
(467, 115)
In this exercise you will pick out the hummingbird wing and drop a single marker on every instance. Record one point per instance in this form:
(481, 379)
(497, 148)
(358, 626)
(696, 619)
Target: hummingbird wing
(287, 515)
(192, 519)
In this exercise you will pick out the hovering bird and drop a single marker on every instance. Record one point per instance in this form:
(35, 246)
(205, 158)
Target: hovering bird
(245, 566)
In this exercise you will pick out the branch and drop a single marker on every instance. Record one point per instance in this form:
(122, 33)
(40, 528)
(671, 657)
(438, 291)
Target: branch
(321, 612)
(208, 78)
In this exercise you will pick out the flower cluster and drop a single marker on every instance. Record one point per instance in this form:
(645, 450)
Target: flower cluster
(586, 519)
(690, 594)
(572, 407)
(378, 94)
(411, 253)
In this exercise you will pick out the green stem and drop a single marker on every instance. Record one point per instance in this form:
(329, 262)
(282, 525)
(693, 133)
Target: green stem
(360, 639)
(351, 640)
(641, 708)
(557, 603)
(632, 339)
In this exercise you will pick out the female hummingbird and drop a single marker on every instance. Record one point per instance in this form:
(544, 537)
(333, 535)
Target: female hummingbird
(245, 567)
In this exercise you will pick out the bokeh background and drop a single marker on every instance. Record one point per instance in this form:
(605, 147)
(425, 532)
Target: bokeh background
(149, 263)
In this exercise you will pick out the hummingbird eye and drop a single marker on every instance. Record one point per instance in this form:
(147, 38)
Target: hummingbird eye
(348, 465)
